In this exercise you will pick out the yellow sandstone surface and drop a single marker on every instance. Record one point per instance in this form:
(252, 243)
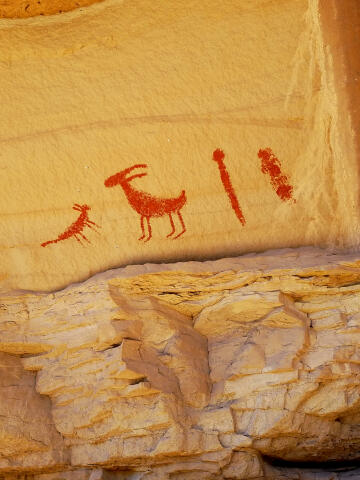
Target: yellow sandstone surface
(173, 131)
(32, 8)
(89, 93)
(185, 371)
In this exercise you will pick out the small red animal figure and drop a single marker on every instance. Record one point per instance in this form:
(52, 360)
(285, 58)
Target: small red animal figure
(76, 228)
(147, 205)
(219, 156)
(271, 165)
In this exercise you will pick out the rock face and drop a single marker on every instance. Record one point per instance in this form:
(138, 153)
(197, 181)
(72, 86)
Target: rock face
(186, 371)
(155, 131)
(32, 8)
(169, 86)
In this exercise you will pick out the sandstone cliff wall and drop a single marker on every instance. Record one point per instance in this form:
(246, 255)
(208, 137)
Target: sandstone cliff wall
(92, 92)
(152, 131)
(191, 370)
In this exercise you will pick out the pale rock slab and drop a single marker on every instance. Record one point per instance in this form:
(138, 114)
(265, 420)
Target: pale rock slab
(28, 438)
(137, 382)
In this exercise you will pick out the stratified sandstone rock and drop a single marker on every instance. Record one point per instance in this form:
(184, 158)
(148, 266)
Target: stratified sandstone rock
(28, 439)
(187, 371)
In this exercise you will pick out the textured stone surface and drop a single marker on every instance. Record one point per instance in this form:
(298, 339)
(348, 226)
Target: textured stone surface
(28, 438)
(88, 93)
(242, 368)
(32, 8)
(186, 371)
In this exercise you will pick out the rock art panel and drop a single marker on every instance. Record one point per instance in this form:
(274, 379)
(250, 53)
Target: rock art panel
(115, 85)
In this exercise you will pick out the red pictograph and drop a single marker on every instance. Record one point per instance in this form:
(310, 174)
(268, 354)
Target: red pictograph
(147, 205)
(76, 228)
(219, 156)
(271, 164)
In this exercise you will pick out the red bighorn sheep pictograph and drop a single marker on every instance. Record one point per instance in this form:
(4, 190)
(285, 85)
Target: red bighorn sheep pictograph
(76, 228)
(147, 205)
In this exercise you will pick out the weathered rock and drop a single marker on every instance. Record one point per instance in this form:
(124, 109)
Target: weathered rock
(28, 439)
(242, 115)
(185, 371)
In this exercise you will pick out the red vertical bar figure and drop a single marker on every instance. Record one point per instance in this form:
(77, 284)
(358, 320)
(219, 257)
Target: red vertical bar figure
(271, 165)
(218, 157)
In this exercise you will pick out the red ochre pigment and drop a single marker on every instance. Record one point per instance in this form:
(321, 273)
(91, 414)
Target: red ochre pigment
(219, 156)
(76, 228)
(147, 205)
(271, 165)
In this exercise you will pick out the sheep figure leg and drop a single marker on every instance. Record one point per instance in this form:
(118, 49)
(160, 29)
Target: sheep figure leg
(172, 226)
(142, 227)
(149, 229)
(78, 239)
(182, 224)
(83, 236)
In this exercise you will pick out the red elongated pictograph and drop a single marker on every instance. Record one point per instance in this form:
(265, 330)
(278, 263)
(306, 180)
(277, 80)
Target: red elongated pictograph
(76, 228)
(146, 205)
(271, 165)
(218, 156)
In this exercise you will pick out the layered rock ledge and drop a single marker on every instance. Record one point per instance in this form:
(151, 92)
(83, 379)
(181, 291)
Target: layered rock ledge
(194, 371)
